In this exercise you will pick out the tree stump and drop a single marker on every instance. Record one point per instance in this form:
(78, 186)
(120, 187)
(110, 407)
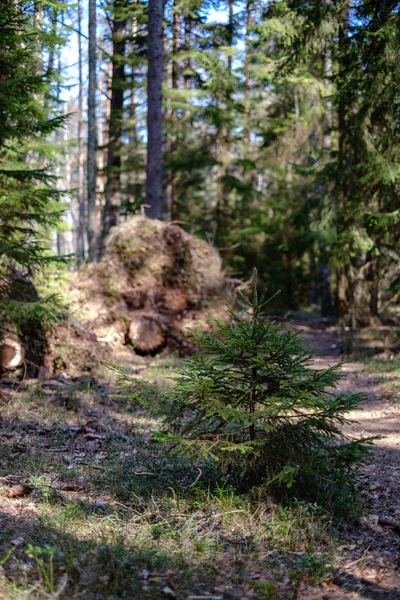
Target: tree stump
(145, 335)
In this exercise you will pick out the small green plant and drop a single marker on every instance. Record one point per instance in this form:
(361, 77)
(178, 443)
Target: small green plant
(251, 400)
(44, 559)
(266, 589)
(312, 569)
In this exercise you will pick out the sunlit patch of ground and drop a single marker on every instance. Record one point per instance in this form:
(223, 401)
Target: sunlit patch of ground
(109, 514)
(368, 566)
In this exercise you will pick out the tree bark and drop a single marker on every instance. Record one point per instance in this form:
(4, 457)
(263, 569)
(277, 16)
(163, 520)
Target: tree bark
(328, 72)
(113, 184)
(342, 108)
(38, 18)
(324, 270)
(230, 32)
(81, 198)
(132, 128)
(91, 145)
(246, 136)
(154, 191)
(50, 64)
(187, 67)
(343, 283)
(102, 121)
(176, 44)
(313, 292)
(223, 143)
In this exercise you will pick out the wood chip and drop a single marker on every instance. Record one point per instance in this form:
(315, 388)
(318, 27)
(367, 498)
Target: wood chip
(52, 383)
(21, 489)
(395, 525)
(93, 436)
(18, 541)
(70, 487)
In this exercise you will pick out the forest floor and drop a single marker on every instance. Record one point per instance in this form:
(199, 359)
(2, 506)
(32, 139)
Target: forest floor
(368, 564)
(92, 508)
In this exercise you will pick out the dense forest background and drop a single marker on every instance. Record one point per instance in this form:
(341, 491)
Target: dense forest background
(270, 129)
(168, 428)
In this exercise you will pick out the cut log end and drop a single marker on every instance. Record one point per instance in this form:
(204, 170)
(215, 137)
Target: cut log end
(173, 301)
(146, 335)
(11, 354)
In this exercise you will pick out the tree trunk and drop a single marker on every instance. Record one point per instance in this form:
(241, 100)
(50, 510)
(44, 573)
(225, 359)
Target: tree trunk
(69, 213)
(176, 44)
(132, 128)
(230, 32)
(324, 270)
(342, 108)
(62, 180)
(38, 18)
(374, 298)
(32, 335)
(246, 136)
(176, 33)
(313, 296)
(371, 286)
(91, 145)
(219, 209)
(113, 184)
(81, 198)
(342, 294)
(187, 67)
(223, 143)
(343, 282)
(154, 192)
(50, 64)
(107, 114)
(328, 72)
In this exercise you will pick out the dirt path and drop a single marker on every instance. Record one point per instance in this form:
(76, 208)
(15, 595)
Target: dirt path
(368, 565)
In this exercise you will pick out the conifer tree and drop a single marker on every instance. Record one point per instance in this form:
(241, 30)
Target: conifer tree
(251, 399)
(112, 192)
(29, 201)
(361, 40)
(92, 137)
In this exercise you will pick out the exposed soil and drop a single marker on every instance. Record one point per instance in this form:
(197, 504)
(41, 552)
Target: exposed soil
(154, 282)
(73, 348)
(369, 563)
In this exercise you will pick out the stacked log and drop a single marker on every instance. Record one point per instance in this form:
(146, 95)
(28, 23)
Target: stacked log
(154, 283)
(11, 353)
(145, 335)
